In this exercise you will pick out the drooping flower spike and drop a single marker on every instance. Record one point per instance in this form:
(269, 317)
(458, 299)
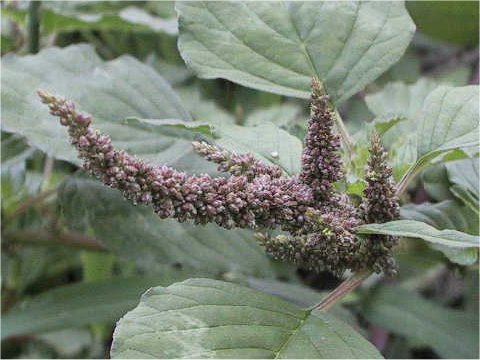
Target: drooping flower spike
(320, 222)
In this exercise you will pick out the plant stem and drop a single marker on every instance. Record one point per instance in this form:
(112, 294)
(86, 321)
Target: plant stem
(347, 140)
(47, 172)
(405, 180)
(343, 289)
(32, 202)
(34, 27)
(44, 237)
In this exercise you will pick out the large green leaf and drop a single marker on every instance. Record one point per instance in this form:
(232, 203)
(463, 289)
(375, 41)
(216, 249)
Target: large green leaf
(279, 46)
(137, 233)
(111, 91)
(207, 318)
(81, 304)
(451, 333)
(418, 229)
(447, 214)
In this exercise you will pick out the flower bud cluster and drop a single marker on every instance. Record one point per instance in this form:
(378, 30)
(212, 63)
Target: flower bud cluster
(236, 164)
(321, 162)
(379, 204)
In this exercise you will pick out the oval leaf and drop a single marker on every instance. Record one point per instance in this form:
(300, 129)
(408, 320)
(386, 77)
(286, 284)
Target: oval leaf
(279, 46)
(201, 318)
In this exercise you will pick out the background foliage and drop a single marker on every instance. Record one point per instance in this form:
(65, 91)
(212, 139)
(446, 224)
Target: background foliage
(76, 257)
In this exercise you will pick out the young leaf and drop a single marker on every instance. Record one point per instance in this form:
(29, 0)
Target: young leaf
(451, 333)
(207, 318)
(418, 229)
(138, 234)
(278, 46)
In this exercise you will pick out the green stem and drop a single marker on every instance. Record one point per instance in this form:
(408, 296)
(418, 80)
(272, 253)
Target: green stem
(343, 289)
(405, 180)
(44, 237)
(347, 140)
(34, 27)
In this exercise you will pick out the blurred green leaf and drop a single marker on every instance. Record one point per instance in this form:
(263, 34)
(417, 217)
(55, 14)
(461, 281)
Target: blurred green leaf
(436, 183)
(137, 233)
(464, 176)
(207, 318)
(81, 304)
(283, 116)
(67, 343)
(128, 19)
(451, 333)
(279, 47)
(452, 21)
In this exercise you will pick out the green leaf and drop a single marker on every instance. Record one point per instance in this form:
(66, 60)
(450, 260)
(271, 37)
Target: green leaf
(207, 318)
(447, 123)
(297, 294)
(129, 19)
(266, 142)
(283, 115)
(465, 177)
(436, 183)
(81, 304)
(401, 99)
(447, 214)
(137, 233)
(418, 229)
(450, 120)
(451, 333)
(278, 47)
(111, 91)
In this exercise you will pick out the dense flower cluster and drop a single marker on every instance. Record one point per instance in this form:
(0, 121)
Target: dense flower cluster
(258, 200)
(321, 162)
(379, 204)
(320, 222)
